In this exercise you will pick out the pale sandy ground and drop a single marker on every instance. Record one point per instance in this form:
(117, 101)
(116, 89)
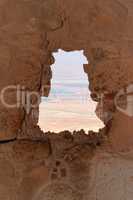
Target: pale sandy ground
(68, 115)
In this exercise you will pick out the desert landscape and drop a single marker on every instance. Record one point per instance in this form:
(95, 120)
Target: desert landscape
(69, 105)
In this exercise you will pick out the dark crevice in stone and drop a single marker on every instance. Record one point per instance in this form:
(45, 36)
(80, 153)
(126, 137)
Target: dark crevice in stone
(8, 141)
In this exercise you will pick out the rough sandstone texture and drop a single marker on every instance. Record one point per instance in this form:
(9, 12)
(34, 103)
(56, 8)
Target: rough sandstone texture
(38, 166)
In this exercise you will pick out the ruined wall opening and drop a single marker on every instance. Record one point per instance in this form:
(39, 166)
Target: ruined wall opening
(69, 105)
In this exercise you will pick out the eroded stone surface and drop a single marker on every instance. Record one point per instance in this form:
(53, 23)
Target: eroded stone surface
(30, 170)
(30, 31)
(62, 166)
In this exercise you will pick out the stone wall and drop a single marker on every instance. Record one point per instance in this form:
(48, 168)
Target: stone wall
(38, 166)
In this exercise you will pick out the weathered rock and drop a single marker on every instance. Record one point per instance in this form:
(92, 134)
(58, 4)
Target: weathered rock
(64, 166)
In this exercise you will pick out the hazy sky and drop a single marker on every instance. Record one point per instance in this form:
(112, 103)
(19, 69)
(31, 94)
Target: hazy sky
(69, 66)
(69, 106)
